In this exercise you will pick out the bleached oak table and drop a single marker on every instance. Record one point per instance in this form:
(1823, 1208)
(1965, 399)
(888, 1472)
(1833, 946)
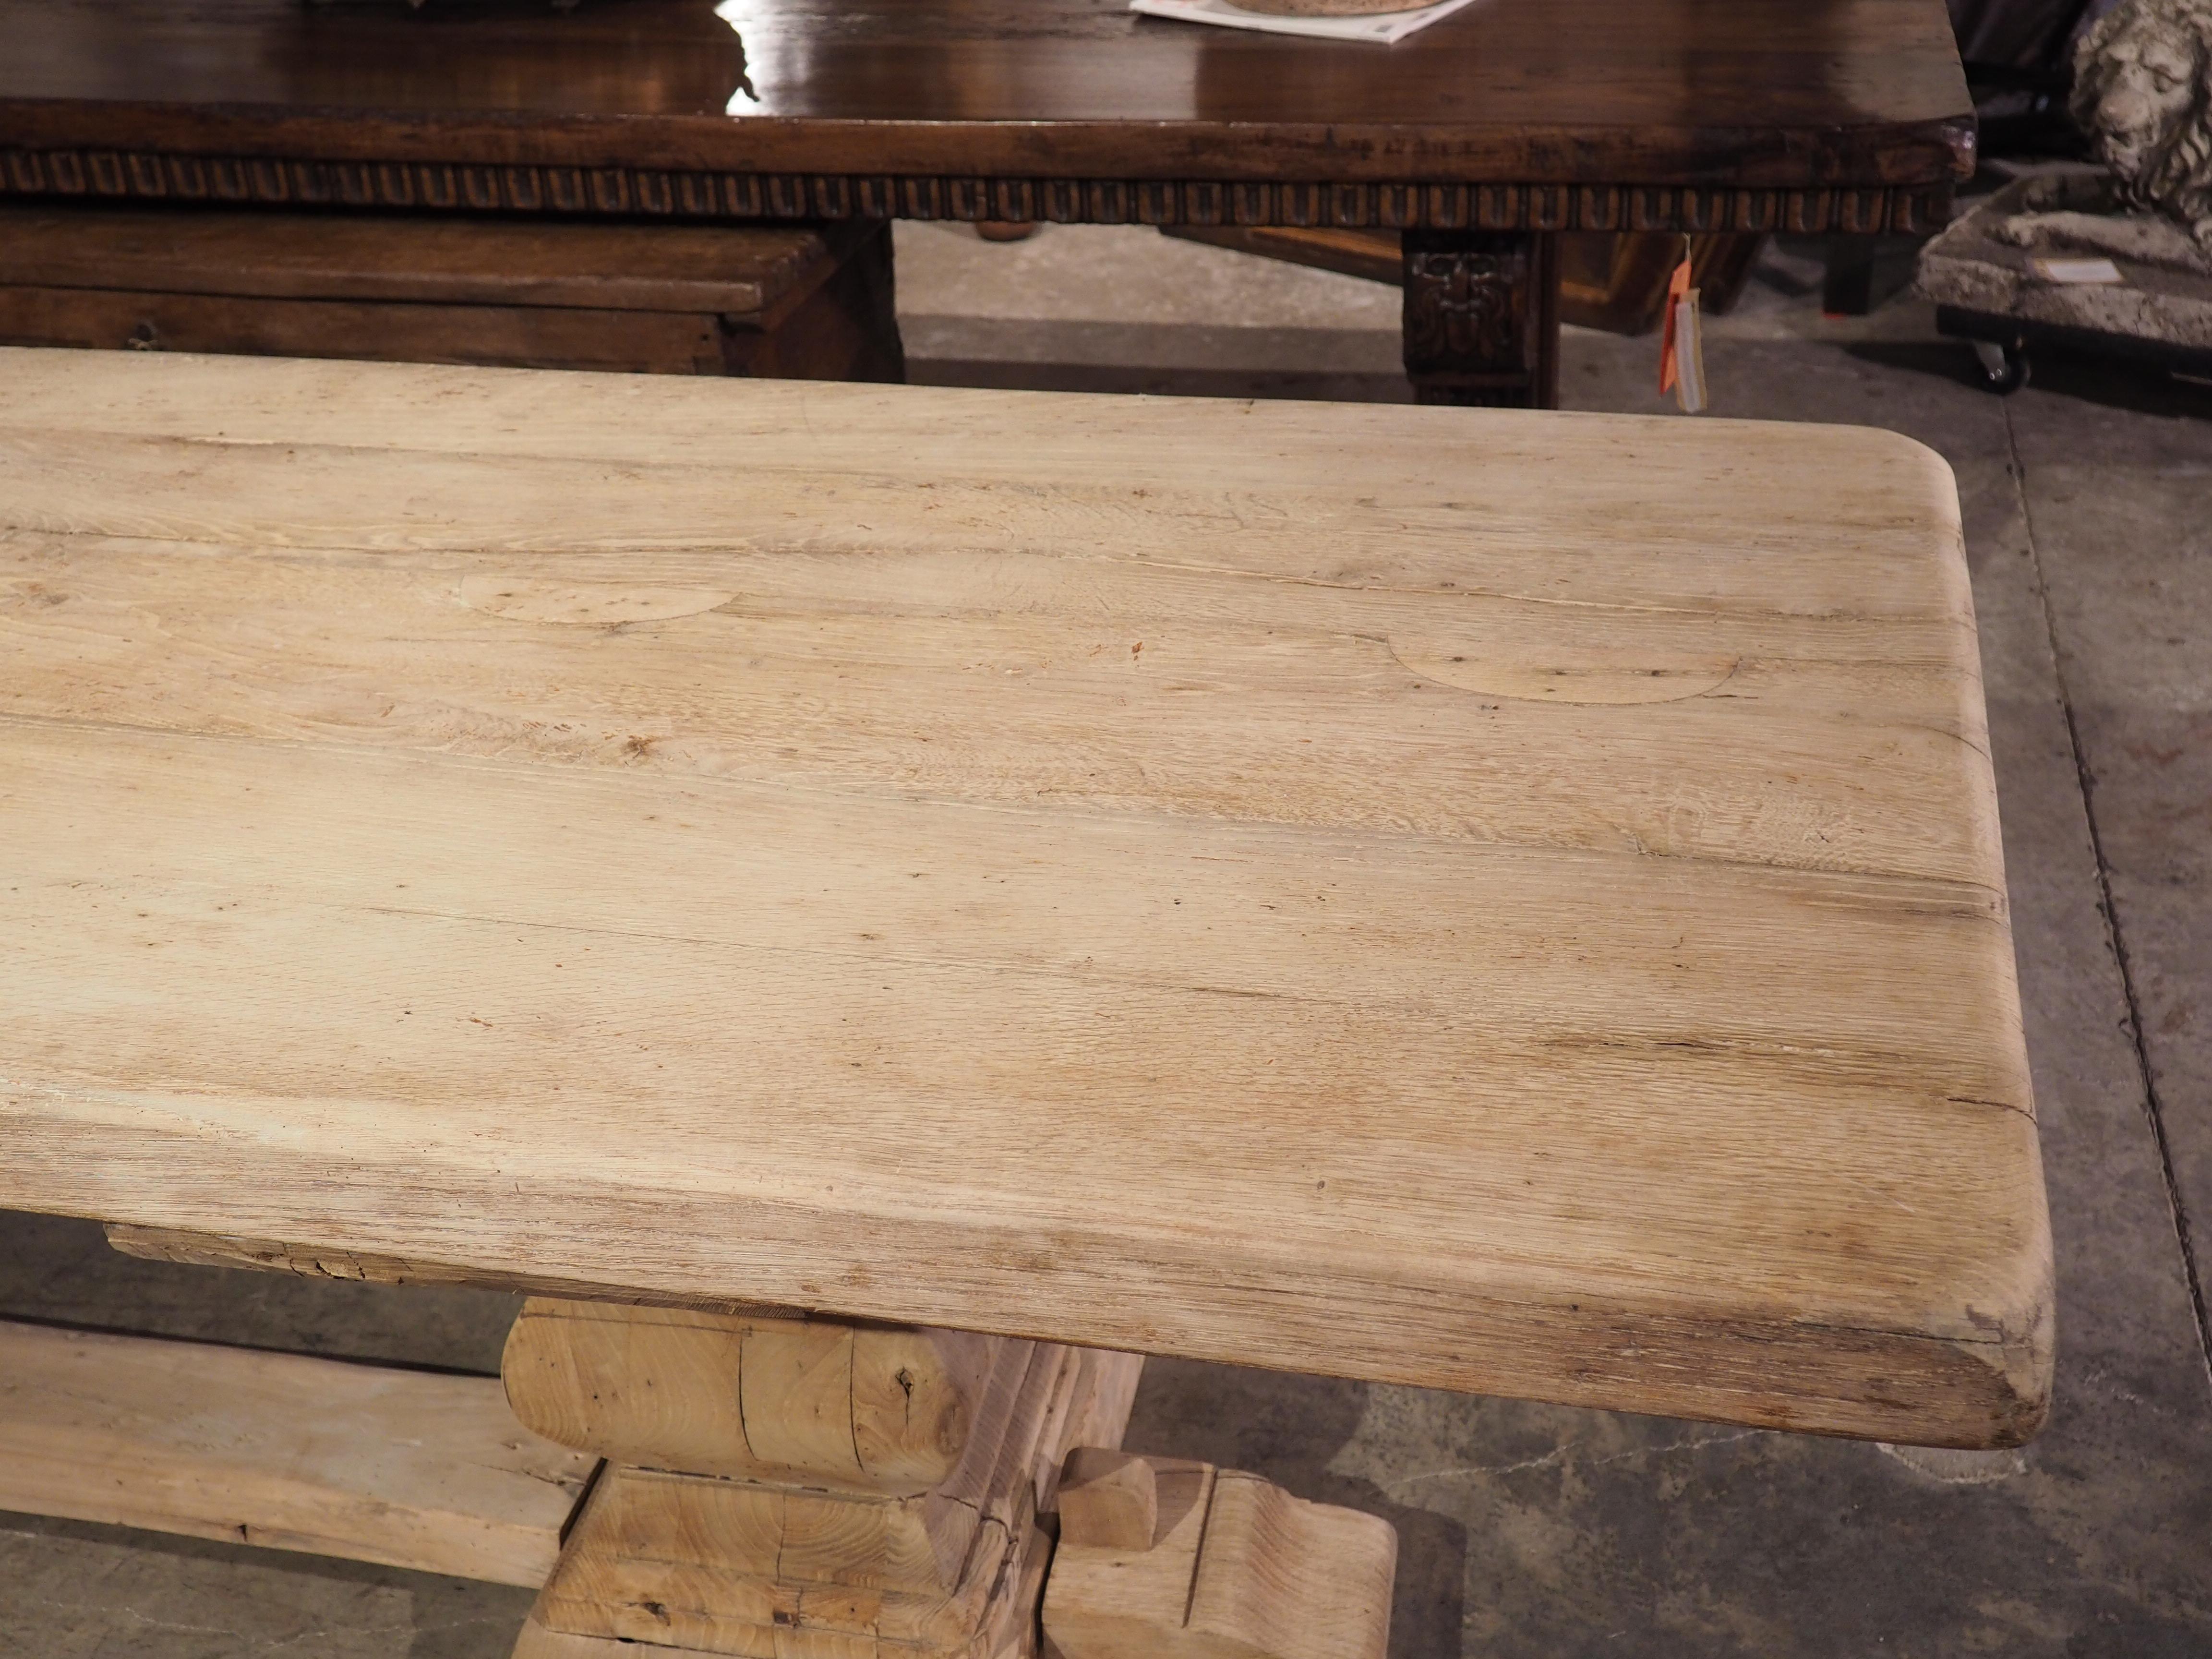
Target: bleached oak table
(797, 873)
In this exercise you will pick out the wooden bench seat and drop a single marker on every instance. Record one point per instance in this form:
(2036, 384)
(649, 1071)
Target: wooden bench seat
(798, 301)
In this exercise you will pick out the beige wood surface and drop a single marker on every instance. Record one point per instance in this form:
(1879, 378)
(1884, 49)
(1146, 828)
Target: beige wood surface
(1229, 1566)
(868, 1409)
(199, 1250)
(404, 1468)
(1497, 901)
(536, 1642)
(451, 259)
(1011, 1635)
(1110, 1499)
(743, 1517)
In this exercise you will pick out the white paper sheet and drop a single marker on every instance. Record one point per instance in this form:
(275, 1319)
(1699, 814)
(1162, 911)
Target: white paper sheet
(1385, 28)
(2101, 272)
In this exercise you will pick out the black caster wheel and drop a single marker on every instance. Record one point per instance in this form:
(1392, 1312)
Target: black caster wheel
(2004, 368)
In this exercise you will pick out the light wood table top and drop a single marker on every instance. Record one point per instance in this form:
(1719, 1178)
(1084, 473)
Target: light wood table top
(1497, 901)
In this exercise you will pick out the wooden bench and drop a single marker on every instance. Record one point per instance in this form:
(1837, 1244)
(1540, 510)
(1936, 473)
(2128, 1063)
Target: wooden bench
(881, 906)
(799, 302)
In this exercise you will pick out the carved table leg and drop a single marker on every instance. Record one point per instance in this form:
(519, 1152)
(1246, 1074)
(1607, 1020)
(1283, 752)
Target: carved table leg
(1482, 318)
(1161, 1559)
(801, 1489)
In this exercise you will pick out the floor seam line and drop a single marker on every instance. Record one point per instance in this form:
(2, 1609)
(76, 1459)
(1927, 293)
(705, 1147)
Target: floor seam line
(2085, 780)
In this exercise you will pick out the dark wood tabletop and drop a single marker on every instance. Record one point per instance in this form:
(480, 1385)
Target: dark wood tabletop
(1512, 114)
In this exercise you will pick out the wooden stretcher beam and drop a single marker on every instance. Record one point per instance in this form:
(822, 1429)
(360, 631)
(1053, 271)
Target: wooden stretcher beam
(409, 1468)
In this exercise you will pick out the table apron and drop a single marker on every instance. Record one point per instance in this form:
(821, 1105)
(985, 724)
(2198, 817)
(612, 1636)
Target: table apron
(632, 192)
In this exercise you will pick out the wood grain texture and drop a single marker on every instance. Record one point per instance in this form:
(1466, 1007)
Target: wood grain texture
(812, 303)
(536, 1642)
(404, 1467)
(883, 1410)
(1598, 115)
(153, 175)
(198, 1249)
(1108, 1500)
(1500, 901)
(729, 1567)
(1011, 1635)
(1237, 1568)
(1760, 93)
(797, 1558)
(422, 259)
(536, 337)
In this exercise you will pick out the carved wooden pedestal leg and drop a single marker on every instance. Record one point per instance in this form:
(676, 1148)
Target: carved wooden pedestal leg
(1482, 318)
(1161, 1559)
(799, 1489)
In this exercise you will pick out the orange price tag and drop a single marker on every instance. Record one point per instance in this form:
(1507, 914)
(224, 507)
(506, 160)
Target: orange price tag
(1677, 287)
(1681, 347)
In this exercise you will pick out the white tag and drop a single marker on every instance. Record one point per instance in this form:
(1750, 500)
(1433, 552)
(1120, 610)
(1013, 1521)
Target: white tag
(1689, 355)
(2099, 271)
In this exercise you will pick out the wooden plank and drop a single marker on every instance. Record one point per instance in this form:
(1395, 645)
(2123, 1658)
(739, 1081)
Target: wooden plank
(1011, 1636)
(1237, 1568)
(198, 1250)
(438, 260)
(515, 337)
(944, 92)
(803, 304)
(1501, 902)
(791, 1556)
(409, 1468)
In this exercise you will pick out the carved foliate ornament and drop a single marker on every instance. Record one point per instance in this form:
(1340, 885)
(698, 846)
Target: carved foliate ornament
(1465, 309)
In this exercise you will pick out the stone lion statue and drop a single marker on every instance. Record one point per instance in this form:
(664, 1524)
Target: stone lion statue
(2143, 91)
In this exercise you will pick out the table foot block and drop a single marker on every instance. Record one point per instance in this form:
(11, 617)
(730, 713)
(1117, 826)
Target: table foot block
(402, 1467)
(1011, 1635)
(1161, 1559)
(806, 1489)
(731, 1567)
(880, 1409)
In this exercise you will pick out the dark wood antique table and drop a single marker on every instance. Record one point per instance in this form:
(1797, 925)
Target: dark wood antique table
(1478, 138)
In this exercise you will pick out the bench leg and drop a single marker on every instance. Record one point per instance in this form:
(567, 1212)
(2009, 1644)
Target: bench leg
(1482, 318)
(847, 328)
(1161, 1559)
(802, 1489)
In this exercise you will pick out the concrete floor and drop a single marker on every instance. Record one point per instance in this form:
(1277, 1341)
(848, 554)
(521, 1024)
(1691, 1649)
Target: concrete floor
(1531, 1529)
